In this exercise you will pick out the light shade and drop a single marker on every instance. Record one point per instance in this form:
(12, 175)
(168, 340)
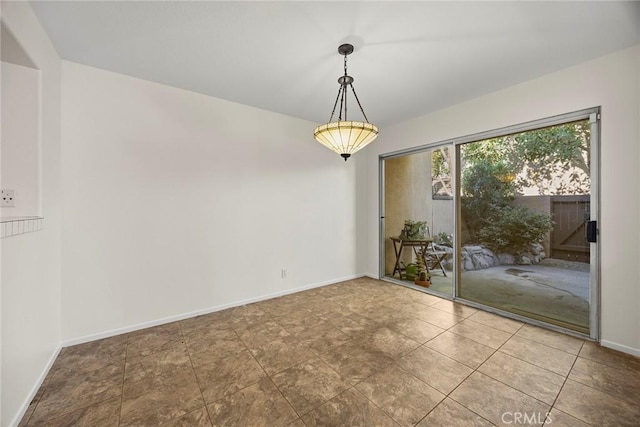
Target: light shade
(345, 137)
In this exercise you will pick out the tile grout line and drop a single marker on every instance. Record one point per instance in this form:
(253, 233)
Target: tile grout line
(353, 386)
(92, 404)
(550, 346)
(448, 395)
(429, 385)
(39, 397)
(591, 386)
(474, 370)
(563, 384)
(493, 327)
(393, 363)
(319, 357)
(276, 373)
(507, 385)
(502, 382)
(316, 356)
(608, 363)
(193, 370)
(355, 390)
(124, 375)
(530, 363)
(266, 373)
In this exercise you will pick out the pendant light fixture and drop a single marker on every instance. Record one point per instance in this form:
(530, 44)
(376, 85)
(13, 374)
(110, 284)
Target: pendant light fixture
(345, 137)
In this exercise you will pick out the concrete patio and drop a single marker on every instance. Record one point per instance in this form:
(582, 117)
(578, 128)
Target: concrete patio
(553, 291)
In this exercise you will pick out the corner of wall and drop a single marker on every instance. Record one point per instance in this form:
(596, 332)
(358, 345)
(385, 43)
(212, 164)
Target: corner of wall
(31, 343)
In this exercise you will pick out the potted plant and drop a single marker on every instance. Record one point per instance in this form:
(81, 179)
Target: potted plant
(414, 230)
(411, 270)
(422, 278)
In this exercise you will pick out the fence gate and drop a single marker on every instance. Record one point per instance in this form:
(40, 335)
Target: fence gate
(568, 237)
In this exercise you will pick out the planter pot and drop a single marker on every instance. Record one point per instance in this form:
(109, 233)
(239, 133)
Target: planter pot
(425, 283)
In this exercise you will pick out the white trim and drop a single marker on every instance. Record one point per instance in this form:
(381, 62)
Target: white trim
(371, 276)
(175, 318)
(620, 347)
(34, 390)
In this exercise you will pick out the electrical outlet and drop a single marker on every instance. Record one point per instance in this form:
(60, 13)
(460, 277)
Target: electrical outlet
(283, 273)
(8, 199)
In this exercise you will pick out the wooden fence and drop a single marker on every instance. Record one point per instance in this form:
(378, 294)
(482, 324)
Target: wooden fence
(568, 238)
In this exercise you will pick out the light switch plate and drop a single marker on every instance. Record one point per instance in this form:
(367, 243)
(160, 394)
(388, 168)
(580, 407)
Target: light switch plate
(8, 198)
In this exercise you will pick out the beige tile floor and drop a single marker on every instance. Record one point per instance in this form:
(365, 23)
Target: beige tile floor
(358, 353)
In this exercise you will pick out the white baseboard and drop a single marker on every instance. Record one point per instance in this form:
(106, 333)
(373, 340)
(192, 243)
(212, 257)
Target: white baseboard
(619, 347)
(372, 276)
(175, 318)
(35, 388)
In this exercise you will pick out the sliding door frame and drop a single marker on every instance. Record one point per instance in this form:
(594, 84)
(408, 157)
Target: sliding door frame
(593, 115)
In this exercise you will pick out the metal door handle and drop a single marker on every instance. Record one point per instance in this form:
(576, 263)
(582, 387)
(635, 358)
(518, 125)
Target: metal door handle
(592, 231)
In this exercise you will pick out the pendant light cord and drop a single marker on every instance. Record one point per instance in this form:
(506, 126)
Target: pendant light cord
(345, 89)
(342, 97)
(335, 104)
(359, 105)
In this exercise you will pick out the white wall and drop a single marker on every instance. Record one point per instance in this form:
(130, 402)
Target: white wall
(177, 202)
(31, 262)
(611, 82)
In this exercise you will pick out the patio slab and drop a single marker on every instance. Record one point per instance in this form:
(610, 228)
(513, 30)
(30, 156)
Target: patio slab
(555, 291)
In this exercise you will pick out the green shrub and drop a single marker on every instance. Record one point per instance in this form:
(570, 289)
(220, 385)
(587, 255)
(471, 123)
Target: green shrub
(488, 190)
(515, 228)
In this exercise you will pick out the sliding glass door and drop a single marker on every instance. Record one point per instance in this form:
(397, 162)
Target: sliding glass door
(419, 218)
(504, 220)
(525, 203)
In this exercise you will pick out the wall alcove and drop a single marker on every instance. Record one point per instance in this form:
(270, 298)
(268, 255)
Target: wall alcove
(20, 204)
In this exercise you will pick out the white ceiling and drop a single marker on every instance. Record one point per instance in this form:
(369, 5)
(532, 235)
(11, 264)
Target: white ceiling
(410, 58)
